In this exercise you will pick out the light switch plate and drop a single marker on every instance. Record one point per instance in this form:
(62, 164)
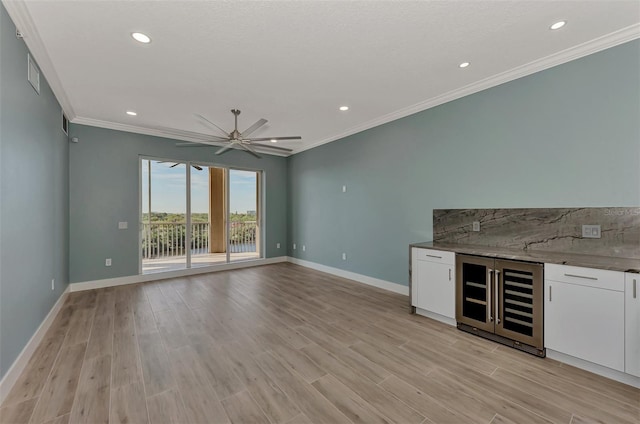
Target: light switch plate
(123, 225)
(591, 231)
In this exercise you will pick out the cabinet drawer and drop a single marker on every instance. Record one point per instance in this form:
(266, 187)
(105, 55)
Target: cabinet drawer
(591, 277)
(438, 256)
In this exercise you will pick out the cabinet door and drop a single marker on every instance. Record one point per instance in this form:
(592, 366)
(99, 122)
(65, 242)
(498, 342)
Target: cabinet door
(436, 288)
(585, 322)
(632, 324)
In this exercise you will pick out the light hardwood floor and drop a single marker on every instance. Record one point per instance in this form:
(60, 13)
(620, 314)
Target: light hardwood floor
(285, 344)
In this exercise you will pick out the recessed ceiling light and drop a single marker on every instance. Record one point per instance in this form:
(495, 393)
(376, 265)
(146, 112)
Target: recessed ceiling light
(143, 38)
(464, 64)
(273, 140)
(343, 108)
(558, 25)
(132, 113)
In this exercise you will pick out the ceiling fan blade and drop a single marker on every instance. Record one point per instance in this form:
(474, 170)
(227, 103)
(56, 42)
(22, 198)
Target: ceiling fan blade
(224, 149)
(212, 124)
(266, 146)
(194, 144)
(274, 138)
(174, 165)
(199, 168)
(190, 134)
(250, 150)
(260, 122)
(201, 143)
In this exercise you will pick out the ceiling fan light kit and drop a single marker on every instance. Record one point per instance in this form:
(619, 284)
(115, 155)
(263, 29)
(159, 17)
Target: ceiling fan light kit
(237, 139)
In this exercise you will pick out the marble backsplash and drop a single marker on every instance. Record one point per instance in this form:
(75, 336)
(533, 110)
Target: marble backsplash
(550, 229)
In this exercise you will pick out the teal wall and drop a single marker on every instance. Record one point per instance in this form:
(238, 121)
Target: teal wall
(34, 191)
(565, 137)
(103, 183)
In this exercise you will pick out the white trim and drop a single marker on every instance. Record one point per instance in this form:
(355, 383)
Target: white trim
(133, 279)
(23, 358)
(594, 368)
(590, 47)
(19, 13)
(360, 278)
(437, 317)
(173, 134)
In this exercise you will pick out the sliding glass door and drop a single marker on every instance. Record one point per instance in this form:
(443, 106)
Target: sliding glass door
(244, 215)
(195, 215)
(164, 215)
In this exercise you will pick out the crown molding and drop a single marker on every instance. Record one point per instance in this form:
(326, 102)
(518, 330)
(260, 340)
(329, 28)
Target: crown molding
(593, 46)
(170, 133)
(21, 18)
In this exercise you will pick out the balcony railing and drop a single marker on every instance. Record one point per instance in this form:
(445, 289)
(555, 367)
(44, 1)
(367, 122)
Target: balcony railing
(166, 239)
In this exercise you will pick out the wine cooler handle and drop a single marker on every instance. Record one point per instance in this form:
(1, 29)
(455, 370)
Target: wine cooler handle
(490, 295)
(497, 296)
(550, 293)
(449, 274)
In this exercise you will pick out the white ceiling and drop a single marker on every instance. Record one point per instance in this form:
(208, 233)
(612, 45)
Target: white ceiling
(295, 62)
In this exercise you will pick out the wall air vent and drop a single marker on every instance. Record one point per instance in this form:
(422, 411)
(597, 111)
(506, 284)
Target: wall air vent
(65, 124)
(33, 74)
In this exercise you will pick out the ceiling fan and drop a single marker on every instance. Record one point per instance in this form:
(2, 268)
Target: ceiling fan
(237, 139)
(199, 168)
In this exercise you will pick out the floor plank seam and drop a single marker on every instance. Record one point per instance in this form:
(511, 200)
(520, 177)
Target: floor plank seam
(53, 364)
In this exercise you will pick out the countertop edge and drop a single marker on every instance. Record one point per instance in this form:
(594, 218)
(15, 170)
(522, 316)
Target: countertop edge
(561, 258)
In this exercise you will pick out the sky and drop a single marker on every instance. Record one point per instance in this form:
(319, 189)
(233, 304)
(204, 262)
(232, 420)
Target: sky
(168, 189)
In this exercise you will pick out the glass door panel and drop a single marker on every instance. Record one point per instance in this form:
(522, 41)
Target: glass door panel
(244, 215)
(474, 292)
(208, 216)
(163, 227)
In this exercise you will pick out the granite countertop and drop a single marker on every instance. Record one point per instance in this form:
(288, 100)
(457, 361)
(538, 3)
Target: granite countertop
(574, 259)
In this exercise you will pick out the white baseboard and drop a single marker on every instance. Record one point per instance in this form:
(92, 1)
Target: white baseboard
(594, 368)
(22, 360)
(360, 278)
(436, 317)
(133, 279)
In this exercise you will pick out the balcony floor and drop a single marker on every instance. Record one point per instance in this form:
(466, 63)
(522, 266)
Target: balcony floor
(172, 263)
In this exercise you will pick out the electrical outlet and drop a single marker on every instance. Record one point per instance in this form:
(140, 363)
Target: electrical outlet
(304, 248)
(53, 284)
(294, 246)
(344, 256)
(277, 245)
(476, 225)
(107, 262)
(123, 225)
(591, 231)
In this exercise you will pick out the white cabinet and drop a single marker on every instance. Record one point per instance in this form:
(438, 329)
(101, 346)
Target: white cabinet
(433, 287)
(584, 314)
(632, 324)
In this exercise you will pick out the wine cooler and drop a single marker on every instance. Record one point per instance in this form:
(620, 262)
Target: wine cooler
(501, 300)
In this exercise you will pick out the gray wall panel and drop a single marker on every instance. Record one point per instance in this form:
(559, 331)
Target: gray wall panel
(34, 214)
(565, 137)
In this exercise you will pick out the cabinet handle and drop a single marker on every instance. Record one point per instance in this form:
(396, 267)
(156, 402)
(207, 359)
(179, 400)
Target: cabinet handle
(580, 276)
(450, 279)
(497, 275)
(635, 288)
(550, 293)
(434, 256)
(490, 295)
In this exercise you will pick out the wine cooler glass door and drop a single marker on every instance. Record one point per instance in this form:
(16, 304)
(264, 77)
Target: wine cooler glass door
(475, 296)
